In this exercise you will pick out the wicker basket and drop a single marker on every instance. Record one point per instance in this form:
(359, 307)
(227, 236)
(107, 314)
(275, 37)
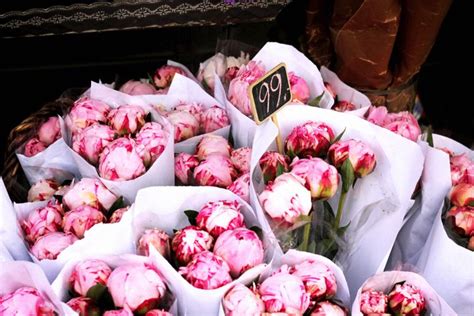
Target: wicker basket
(13, 175)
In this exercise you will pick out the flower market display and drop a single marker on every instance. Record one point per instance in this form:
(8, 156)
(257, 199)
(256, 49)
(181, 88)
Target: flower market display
(163, 196)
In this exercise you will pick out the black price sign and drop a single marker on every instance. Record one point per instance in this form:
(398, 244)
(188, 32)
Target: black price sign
(270, 93)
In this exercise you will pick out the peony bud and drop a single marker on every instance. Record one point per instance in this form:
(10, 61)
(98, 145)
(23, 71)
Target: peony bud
(42, 221)
(241, 159)
(309, 139)
(462, 169)
(273, 164)
(216, 170)
(326, 308)
(462, 195)
(151, 142)
(238, 88)
(344, 106)
(241, 187)
(286, 199)
(81, 219)
(120, 161)
(206, 271)
(406, 299)
(25, 301)
(212, 144)
(127, 119)
(185, 125)
(50, 245)
(240, 248)
(184, 165)
(377, 115)
(217, 217)
(320, 282)
(154, 238)
(118, 312)
(405, 129)
(299, 88)
(284, 293)
(42, 190)
(319, 177)
(83, 306)
(117, 215)
(132, 87)
(157, 312)
(215, 65)
(193, 108)
(373, 302)
(165, 74)
(360, 155)
(240, 300)
(462, 219)
(190, 241)
(87, 274)
(90, 141)
(33, 147)
(330, 90)
(89, 192)
(49, 131)
(87, 112)
(213, 119)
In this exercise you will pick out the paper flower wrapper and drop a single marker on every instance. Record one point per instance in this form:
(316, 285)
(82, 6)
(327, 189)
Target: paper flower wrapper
(163, 208)
(5, 255)
(385, 281)
(161, 171)
(378, 203)
(185, 69)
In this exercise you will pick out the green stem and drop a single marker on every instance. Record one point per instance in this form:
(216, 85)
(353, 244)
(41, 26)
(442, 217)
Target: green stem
(306, 233)
(340, 206)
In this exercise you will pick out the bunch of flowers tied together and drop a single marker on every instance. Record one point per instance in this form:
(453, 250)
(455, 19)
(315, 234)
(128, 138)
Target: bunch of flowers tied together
(215, 249)
(52, 228)
(133, 288)
(25, 301)
(403, 299)
(305, 288)
(118, 141)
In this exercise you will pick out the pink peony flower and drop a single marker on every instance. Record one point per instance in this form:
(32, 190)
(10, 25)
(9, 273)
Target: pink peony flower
(330, 90)
(213, 119)
(206, 271)
(240, 300)
(377, 115)
(86, 112)
(132, 87)
(49, 131)
(241, 187)
(462, 218)
(42, 190)
(217, 64)
(185, 125)
(87, 274)
(117, 215)
(89, 192)
(299, 88)
(402, 123)
(360, 155)
(212, 144)
(165, 74)
(194, 108)
(240, 248)
(151, 142)
(470, 244)
(326, 308)
(373, 302)
(81, 219)
(83, 306)
(184, 165)
(238, 88)
(309, 139)
(120, 161)
(154, 238)
(273, 164)
(25, 301)
(42, 221)
(190, 241)
(405, 128)
(216, 170)
(284, 293)
(241, 159)
(406, 299)
(127, 119)
(50, 245)
(462, 169)
(118, 312)
(320, 282)
(462, 195)
(344, 106)
(137, 287)
(319, 177)
(33, 147)
(157, 312)
(286, 199)
(90, 141)
(217, 217)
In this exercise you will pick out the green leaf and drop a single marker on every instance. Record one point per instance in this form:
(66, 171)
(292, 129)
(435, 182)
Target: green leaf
(266, 178)
(338, 137)
(119, 203)
(347, 174)
(291, 154)
(280, 170)
(150, 79)
(429, 136)
(341, 230)
(257, 230)
(191, 214)
(315, 102)
(96, 292)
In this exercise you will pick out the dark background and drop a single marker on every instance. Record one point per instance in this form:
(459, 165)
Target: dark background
(37, 70)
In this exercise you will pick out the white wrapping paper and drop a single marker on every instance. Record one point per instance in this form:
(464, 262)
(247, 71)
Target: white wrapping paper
(4, 253)
(186, 70)
(162, 170)
(163, 208)
(385, 281)
(55, 162)
(378, 203)
(346, 93)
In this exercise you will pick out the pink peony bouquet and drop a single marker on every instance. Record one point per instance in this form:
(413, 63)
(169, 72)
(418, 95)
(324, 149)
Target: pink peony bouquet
(164, 76)
(47, 134)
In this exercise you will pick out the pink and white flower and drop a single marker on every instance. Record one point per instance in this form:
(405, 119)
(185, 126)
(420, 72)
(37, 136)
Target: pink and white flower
(360, 155)
(51, 245)
(194, 108)
(184, 165)
(84, 306)
(241, 300)
(320, 282)
(212, 144)
(462, 218)
(25, 301)
(81, 219)
(117, 215)
(241, 187)
(190, 241)
(214, 118)
(42, 221)
(326, 308)
(49, 131)
(151, 142)
(220, 216)
(86, 112)
(309, 139)
(90, 192)
(373, 302)
(462, 169)
(158, 312)
(377, 115)
(87, 274)
(206, 271)
(90, 141)
(33, 147)
(120, 161)
(156, 238)
(299, 88)
(165, 74)
(240, 157)
(133, 87)
(406, 299)
(42, 190)
(273, 164)
(127, 119)
(185, 125)
(462, 195)
(118, 312)
(344, 106)
(215, 170)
